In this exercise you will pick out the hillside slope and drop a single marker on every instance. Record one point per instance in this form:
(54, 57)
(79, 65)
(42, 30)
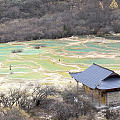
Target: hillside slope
(36, 19)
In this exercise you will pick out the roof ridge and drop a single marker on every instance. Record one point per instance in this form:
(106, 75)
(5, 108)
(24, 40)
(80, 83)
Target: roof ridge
(103, 67)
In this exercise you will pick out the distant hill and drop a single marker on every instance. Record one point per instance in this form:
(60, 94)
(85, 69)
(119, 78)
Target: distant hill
(36, 19)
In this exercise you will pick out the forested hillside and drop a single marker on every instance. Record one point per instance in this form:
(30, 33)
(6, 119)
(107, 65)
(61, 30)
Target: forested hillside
(35, 19)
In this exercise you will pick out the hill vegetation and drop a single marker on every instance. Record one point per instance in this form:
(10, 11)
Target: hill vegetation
(48, 103)
(35, 19)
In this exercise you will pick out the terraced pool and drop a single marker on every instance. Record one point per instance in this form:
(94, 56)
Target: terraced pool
(52, 62)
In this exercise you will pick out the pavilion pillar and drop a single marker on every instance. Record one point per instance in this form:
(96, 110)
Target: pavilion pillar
(77, 89)
(84, 88)
(99, 98)
(92, 95)
(77, 99)
(106, 99)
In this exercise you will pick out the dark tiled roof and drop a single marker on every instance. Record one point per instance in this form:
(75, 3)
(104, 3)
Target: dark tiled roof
(110, 83)
(93, 75)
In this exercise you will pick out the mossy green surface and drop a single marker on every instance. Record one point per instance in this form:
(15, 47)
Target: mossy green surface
(53, 66)
(31, 51)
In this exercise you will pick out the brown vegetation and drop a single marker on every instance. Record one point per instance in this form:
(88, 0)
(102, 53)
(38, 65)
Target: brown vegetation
(35, 19)
(13, 114)
(43, 98)
(41, 103)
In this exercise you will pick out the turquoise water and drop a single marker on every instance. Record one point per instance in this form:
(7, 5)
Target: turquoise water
(113, 45)
(62, 48)
(99, 61)
(52, 43)
(5, 47)
(31, 51)
(6, 52)
(18, 47)
(38, 45)
(11, 47)
(86, 50)
(93, 45)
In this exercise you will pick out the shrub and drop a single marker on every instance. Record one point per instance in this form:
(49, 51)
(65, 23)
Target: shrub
(10, 99)
(40, 94)
(27, 101)
(37, 47)
(80, 105)
(44, 98)
(112, 114)
(13, 114)
(60, 111)
(17, 51)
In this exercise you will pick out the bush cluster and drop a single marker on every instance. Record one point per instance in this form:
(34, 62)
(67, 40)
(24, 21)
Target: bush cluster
(24, 105)
(13, 114)
(17, 51)
(26, 100)
(44, 98)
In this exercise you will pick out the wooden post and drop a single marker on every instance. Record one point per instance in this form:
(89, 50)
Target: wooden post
(84, 87)
(99, 98)
(106, 100)
(77, 99)
(77, 89)
(92, 95)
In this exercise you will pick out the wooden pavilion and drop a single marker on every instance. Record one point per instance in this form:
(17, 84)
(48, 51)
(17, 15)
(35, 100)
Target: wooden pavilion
(102, 84)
